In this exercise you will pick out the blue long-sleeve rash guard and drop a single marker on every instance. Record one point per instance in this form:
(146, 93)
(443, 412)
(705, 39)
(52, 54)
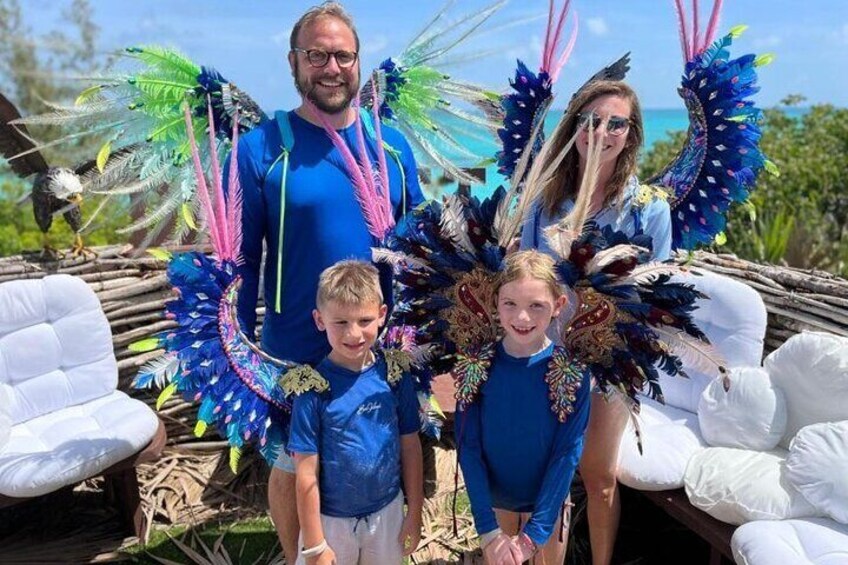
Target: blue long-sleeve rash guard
(323, 225)
(514, 452)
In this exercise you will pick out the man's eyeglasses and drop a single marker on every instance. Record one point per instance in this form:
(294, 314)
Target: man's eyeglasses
(319, 58)
(616, 125)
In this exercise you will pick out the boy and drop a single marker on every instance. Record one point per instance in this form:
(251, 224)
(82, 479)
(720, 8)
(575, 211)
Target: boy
(354, 434)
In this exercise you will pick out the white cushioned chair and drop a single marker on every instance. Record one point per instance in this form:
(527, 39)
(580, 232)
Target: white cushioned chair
(734, 319)
(58, 378)
(792, 499)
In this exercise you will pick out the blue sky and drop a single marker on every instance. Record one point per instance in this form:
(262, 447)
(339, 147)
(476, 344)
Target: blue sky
(247, 41)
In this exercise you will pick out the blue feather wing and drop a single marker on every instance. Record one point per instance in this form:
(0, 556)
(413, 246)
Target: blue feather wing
(721, 158)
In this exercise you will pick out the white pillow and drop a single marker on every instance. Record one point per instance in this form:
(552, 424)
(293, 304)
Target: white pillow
(669, 438)
(740, 485)
(817, 466)
(751, 414)
(811, 369)
(5, 415)
(734, 320)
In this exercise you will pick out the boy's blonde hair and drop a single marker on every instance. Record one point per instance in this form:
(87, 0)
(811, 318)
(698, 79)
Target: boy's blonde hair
(530, 264)
(349, 282)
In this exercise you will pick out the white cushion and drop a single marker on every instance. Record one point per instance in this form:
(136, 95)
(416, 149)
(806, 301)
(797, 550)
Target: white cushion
(669, 438)
(750, 414)
(740, 485)
(817, 466)
(55, 346)
(66, 446)
(734, 320)
(811, 369)
(5, 415)
(812, 541)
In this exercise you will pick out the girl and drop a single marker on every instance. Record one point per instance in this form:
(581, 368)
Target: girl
(524, 407)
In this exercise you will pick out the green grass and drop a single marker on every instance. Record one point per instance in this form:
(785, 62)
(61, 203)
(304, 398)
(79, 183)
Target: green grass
(246, 542)
(463, 505)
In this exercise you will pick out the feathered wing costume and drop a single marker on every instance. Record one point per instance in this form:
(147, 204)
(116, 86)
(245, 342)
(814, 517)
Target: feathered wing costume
(426, 104)
(140, 113)
(241, 390)
(522, 112)
(721, 159)
(208, 358)
(632, 316)
(142, 110)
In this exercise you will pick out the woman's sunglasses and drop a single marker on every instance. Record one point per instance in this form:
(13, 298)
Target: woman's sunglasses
(616, 125)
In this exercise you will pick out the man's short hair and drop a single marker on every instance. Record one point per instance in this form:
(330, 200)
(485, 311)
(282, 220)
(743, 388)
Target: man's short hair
(326, 9)
(352, 283)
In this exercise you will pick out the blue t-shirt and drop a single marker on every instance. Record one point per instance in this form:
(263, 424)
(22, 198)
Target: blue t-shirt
(355, 429)
(323, 225)
(653, 218)
(514, 452)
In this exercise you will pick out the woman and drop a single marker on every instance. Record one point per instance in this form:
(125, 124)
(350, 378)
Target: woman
(609, 111)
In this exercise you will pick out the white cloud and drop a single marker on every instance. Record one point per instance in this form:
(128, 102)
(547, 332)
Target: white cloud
(768, 42)
(282, 37)
(597, 26)
(529, 52)
(374, 44)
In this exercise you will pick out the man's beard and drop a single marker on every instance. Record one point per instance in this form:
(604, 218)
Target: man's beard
(310, 92)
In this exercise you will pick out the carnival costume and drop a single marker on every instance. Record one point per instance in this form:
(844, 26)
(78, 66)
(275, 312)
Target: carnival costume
(236, 382)
(632, 315)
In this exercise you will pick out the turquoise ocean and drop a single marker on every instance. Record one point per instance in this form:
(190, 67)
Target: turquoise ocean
(659, 124)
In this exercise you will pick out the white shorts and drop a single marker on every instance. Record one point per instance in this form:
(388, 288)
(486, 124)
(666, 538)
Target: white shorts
(369, 540)
(284, 462)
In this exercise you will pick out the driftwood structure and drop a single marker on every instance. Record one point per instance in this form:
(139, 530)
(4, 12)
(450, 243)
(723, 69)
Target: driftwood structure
(133, 290)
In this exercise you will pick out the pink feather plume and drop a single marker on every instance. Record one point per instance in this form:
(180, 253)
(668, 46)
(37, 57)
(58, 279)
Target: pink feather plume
(364, 188)
(681, 28)
(234, 197)
(709, 36)
(381, 154)
(219, 204)
(208, 214)
(553, 36)
(696, 29)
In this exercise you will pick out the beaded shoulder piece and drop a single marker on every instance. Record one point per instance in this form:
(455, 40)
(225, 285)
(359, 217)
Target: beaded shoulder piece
(303, 379)
(563, 377)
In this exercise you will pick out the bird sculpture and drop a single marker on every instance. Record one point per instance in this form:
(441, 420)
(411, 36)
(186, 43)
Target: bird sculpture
(55, 190)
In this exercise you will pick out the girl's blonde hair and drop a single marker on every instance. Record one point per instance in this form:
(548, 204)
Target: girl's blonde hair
(530, 264)
(352, 283)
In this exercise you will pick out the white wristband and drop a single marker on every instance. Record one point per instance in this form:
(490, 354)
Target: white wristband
(316, 550)
(489, 537)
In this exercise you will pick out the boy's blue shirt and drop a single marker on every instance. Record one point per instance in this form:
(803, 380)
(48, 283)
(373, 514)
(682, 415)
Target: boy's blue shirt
(515, 454)
(355, 429)
(323, 225)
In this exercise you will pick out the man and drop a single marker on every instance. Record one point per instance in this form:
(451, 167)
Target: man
(302, 204)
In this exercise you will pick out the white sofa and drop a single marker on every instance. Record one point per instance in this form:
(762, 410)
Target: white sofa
(789, 489)
(734, 319)
(64, 420)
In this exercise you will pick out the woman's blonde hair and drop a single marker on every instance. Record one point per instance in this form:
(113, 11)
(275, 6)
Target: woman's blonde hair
(352, 283)
(562, 183)
(530, 264)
